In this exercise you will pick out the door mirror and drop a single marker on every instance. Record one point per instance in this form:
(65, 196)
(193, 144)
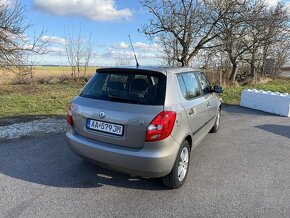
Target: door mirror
(217, 89)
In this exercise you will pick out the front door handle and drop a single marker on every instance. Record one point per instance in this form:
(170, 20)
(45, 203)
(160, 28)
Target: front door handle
(208, 104)
(191, 111)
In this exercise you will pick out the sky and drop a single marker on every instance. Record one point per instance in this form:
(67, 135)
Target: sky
(109, 22)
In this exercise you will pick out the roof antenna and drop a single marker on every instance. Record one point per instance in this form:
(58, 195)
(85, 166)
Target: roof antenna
(137, 64)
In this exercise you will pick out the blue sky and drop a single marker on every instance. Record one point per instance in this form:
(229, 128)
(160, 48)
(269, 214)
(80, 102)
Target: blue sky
(108, 21)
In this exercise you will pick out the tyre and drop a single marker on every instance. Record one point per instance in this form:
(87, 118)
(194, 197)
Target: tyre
(217, 122)
(177, 176)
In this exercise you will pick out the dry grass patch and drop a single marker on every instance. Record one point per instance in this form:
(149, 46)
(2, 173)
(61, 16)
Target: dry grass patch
(42, 75)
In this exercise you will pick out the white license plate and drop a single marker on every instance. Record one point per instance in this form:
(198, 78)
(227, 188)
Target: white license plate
(105, 127)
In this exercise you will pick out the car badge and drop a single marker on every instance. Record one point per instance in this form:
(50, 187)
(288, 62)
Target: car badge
(102, 114)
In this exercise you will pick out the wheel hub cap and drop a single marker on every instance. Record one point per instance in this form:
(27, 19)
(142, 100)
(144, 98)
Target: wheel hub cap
(183, 164)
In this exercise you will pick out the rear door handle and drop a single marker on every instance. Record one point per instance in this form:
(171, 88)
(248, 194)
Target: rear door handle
(208, 104)
(191, 111)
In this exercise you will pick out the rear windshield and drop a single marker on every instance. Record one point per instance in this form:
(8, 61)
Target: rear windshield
(131, 87)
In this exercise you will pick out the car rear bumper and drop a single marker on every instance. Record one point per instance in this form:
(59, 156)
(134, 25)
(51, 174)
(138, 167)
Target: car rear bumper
(155, 159)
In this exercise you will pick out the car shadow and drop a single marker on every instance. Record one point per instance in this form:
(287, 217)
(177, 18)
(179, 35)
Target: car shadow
(243, 110)
(47, 160)
(281, 130)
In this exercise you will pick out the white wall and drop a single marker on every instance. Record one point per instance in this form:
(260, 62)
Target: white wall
(272, 102)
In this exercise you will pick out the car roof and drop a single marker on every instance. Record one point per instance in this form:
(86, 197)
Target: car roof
(160, 69)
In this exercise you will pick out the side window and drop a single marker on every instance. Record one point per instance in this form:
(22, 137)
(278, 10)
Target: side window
(205, 85)
(188, 85)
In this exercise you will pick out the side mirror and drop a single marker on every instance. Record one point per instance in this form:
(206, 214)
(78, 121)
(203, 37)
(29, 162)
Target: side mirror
(217, 89)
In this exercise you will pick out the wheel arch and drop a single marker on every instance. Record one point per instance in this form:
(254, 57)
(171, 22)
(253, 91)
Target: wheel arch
(188, 138)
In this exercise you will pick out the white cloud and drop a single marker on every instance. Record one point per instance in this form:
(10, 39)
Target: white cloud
(111, 53)
(146, 47)
(272, 3)
(53, 39)
(27, 46)
(8, 3)
(4, 3)
(148, 55)
(121, 45)
(55, 50)
(99, 10)
(129, 54)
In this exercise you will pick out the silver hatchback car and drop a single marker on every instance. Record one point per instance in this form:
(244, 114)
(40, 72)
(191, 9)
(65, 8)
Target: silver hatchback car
(144, 121)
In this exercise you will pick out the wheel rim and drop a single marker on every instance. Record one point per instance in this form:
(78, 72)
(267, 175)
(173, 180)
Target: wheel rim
(218, 119)
(183, 164)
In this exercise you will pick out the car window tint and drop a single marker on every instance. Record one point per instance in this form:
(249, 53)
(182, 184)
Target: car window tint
(126, 87)
(188, 85)
(204, 83)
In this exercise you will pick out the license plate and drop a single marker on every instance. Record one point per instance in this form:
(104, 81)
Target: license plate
(105, 127)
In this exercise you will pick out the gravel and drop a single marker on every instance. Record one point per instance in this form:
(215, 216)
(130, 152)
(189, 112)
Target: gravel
(32, 128)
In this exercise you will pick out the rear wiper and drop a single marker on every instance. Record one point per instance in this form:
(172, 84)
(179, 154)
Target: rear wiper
(123, 99)
(116, 97)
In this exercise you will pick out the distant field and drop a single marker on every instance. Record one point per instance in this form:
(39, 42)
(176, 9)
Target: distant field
(43, 72)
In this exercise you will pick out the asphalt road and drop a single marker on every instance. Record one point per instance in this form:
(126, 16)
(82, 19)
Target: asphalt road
(241, 171)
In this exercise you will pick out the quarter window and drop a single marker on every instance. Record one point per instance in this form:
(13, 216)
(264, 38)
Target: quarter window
(188, 85)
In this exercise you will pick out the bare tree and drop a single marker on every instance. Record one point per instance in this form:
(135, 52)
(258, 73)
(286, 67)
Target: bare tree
(13, 39)
(269, 29)
(79, 51)
(250, 28)
(28, 68)
(281, 53)
(235, 32)
(277, 35)
(169, 46)
(191, 24)
(123, 61)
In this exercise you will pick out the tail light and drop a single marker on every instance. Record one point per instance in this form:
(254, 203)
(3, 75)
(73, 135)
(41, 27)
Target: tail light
(161, 126)
(69, 115)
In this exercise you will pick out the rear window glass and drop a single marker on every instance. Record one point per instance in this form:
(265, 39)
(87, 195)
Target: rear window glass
(137, 88)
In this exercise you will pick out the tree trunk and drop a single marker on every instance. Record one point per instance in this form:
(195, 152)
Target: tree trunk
(265, 53)
(184, 62)
(220, 76)
(253, 69)
(234, 71)
(31, 72)
(252, 65)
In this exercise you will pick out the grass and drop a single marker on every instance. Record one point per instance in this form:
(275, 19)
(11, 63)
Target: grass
(53, 99)
(232, 95)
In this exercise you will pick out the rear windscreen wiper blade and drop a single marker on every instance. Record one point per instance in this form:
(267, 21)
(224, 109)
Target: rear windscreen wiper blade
(120, 98)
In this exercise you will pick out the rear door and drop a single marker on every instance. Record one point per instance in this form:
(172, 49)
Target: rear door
(210, 98)
(193, 103)
(116, 106)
